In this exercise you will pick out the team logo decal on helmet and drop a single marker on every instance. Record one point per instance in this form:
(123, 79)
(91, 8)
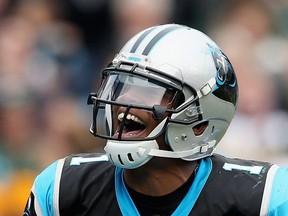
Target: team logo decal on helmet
(226, 88)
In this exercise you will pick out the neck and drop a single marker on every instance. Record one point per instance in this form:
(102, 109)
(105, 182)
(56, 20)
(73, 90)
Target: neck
(160, 176)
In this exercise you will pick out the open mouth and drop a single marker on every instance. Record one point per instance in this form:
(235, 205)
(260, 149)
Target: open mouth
(133, 125)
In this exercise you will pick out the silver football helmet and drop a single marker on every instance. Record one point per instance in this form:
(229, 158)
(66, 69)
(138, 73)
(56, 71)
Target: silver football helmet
(181, 78)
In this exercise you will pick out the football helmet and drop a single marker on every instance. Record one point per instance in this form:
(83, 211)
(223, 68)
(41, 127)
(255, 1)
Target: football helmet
(182, 79)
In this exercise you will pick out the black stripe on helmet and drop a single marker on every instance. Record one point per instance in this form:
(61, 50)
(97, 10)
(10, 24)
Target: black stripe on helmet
(158, 37)
(139, 40)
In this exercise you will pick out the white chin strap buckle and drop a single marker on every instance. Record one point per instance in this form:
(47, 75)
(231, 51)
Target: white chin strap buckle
(194, 154)
(129, 154)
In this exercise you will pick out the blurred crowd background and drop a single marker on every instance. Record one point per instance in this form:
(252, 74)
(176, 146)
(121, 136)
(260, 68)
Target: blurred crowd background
(52, 52)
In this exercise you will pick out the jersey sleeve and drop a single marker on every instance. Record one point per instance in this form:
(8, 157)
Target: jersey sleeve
(43, 200)
(278, 204)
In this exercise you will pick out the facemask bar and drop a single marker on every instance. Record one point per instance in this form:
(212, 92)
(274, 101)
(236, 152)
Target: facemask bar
(100, 104)
(143, 71)
(158, 111)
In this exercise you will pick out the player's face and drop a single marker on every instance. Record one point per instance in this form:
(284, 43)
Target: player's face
(140, 123)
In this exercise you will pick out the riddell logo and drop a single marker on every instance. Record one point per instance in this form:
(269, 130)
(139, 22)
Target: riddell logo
(134, 59)
(227, 88)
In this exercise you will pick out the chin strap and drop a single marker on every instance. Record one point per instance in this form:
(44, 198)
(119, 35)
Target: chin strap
(202, 149)
(134, 154)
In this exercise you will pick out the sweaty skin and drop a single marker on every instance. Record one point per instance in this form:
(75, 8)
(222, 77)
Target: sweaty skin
(160, 176)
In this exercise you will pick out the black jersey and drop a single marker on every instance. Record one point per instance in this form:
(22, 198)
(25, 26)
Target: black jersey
(88, 185)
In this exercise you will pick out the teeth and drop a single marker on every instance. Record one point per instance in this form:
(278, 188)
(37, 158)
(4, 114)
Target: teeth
(130, 117)
(120, 116)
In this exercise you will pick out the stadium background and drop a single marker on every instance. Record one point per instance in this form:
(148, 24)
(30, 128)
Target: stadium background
(52, 52)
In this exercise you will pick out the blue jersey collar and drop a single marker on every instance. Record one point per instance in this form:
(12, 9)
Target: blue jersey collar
(128, 207)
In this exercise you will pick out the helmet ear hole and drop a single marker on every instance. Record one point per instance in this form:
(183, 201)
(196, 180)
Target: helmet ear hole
(200, 128)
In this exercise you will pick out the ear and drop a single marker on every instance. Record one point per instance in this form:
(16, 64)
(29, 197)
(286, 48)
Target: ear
(200, 128)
